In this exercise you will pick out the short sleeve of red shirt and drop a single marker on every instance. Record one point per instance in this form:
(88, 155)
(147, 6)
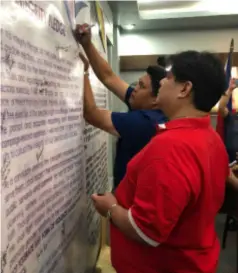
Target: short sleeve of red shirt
(161, 196)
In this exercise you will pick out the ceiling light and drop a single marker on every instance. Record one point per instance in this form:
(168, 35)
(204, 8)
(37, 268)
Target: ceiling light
(159, 9)
(168, 68)
(129, 27)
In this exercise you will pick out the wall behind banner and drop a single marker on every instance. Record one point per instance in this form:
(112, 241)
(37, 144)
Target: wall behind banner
(51, 161)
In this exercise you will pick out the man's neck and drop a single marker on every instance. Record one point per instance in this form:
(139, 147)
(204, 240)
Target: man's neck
(188, 113)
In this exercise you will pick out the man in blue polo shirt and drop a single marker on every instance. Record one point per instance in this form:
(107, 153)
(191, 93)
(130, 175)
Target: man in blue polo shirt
(134, 128)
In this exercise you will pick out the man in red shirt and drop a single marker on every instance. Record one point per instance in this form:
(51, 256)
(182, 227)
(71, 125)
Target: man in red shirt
(163, 212)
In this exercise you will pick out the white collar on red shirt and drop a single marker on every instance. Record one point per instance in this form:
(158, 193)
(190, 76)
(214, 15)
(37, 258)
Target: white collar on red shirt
(187, 122)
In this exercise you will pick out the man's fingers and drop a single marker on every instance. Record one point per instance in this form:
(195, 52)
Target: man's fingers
(95, 197)
(82, 26)
(82, 29)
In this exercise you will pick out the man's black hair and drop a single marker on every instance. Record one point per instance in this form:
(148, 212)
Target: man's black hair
(157, 73)
(206, 73)
(161, 61)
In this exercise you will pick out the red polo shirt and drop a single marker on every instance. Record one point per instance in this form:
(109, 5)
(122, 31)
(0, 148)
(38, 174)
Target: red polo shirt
(173, 190)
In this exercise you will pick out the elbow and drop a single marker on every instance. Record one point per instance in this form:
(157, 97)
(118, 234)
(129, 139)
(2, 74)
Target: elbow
(89, 114)
(220, 110)
(86, 117)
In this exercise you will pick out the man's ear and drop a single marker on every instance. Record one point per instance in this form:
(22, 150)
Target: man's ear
(186, 89)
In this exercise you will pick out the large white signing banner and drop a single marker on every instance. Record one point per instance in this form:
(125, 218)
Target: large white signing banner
(51, 162)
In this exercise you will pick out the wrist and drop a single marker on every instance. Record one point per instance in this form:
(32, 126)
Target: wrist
(229, 91)
(86, 46)
(111, 210)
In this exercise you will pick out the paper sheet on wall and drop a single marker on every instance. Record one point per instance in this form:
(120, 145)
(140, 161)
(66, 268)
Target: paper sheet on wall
(51, 162)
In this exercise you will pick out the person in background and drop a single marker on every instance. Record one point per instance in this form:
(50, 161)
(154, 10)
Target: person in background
(235, 167)
(161, 61)
(231, 143)
(163, 212)
(230, 122)
(134, 128)
(233, 179)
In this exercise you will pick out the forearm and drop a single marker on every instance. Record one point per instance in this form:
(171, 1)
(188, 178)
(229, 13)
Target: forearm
(89, 101)
(104, 72)
(119, 217)
(223, 102)
(100, 67)
(100, 118)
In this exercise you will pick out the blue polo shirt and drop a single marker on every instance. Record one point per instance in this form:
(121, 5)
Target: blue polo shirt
(136, 128)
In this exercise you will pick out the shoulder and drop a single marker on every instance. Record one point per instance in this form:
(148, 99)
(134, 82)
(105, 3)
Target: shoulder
(163, 144)
(127, 96)
(156, 116)
(170, 145)
(178, 145)
(133, 123)
(138, 116)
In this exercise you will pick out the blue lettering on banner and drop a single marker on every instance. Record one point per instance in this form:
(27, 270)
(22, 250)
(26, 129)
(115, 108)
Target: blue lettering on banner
(56, 25)
(40, 14)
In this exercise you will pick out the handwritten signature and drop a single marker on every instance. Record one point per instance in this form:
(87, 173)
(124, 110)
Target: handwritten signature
(63, 48)
(4, 259)
(3, 118)
(39, 154)
(9, 61)
(5, 170)
(42, 86)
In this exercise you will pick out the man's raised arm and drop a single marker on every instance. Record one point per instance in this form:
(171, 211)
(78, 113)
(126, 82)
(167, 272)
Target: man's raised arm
(100, 118)
(222, 107)
(100, 67)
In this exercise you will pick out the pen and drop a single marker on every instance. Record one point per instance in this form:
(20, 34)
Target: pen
(232, 163)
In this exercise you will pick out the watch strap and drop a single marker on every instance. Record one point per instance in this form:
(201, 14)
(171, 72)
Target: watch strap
(109, 212)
